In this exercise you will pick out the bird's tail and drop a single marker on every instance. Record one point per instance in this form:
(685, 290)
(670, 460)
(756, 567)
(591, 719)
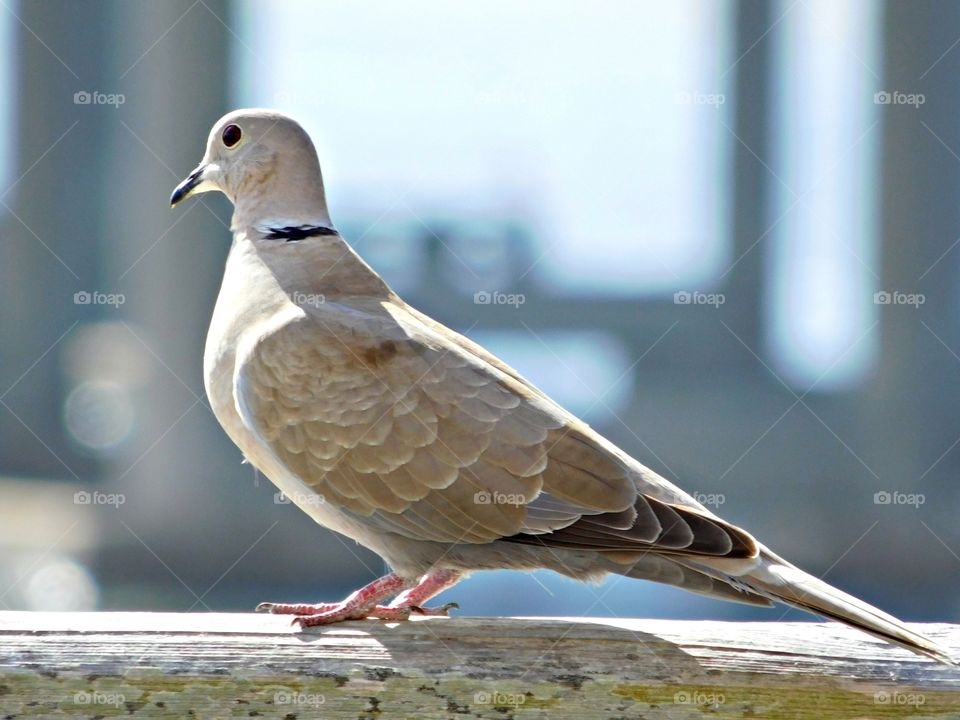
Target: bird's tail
(775, 578)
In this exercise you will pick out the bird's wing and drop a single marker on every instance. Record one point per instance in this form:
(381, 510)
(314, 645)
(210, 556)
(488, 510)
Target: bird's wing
(414, 429)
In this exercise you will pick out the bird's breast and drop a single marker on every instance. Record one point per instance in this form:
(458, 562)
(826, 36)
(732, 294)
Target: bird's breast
(248, 302)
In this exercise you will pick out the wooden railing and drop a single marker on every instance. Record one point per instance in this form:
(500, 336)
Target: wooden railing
(85, 665)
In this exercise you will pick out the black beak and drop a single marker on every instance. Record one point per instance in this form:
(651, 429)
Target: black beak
(186, 187)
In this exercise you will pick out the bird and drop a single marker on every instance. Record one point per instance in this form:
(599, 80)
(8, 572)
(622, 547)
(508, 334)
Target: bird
(394, 430)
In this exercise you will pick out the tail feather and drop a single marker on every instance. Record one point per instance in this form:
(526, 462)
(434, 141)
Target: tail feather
(778, 580)
(666, 569)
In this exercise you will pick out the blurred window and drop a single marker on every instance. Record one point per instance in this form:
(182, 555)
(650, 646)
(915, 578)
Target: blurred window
(824, 169)
(609, 132)
(602, 125)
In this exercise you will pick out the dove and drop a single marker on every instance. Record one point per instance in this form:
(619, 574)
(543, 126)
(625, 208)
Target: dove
(395, 431)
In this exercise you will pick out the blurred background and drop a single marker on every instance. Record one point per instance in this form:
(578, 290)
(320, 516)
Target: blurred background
(725, 233)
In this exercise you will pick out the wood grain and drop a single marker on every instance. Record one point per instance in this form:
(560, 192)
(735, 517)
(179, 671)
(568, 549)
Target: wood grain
(218, 665)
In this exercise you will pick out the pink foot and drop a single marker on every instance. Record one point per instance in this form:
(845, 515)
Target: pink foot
(290, 609)
(364, 602)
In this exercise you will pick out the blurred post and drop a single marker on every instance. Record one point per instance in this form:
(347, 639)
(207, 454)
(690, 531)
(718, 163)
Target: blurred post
(168, 264)
(912, 403)
(744, 284)
(52, 226)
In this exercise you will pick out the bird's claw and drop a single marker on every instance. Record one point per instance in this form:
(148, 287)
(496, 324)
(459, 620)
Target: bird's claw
(443, 610)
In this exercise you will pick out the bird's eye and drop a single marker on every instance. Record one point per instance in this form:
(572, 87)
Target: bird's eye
(231, 135)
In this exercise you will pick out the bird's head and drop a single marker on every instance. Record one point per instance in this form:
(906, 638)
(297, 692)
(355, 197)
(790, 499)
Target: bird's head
(266, 164)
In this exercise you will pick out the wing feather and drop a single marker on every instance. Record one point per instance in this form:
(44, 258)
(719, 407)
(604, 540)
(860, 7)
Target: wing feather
(419, 432)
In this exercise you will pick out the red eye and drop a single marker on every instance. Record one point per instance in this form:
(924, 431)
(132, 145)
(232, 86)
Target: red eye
(231, 135)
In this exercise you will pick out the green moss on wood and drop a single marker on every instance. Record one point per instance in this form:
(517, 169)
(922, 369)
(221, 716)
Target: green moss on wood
(370, 693)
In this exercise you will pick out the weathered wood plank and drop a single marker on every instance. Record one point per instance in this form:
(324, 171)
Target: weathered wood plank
(85, 665)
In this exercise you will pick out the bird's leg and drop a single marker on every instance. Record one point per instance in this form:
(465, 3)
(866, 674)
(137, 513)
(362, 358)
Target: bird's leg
(355, 607)
(363, 603)
(412, 599)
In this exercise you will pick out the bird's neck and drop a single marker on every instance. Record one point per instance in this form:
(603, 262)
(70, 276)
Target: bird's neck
(252, 215)
(318, 266)
(280, 191)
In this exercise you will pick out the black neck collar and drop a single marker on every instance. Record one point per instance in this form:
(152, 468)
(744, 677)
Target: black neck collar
(292, 233)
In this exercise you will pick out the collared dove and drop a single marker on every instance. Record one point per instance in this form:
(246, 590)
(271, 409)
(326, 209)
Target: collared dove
(396, 431)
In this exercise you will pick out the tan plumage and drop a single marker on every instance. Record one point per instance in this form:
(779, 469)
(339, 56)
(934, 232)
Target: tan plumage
(429, 426)
(420, 443)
